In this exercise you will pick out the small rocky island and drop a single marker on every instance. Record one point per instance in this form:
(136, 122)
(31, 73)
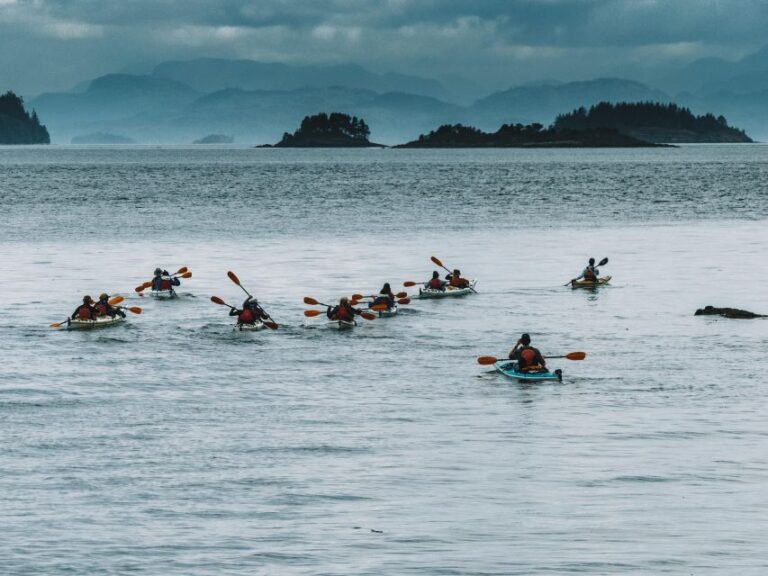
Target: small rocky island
(520, 136)
(17, 126)
(215, 139)
(334, 130)
(653, 122)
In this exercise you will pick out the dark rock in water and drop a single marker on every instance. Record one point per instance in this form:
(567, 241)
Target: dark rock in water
(727, 312)
(334, 130)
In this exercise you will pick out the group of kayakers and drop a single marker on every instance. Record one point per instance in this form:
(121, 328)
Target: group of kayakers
(90, 310)
(453, 279)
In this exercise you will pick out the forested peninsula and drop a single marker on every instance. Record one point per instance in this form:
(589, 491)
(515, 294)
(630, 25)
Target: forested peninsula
(17, 126)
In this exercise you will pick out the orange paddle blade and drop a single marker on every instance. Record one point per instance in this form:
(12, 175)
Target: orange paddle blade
(576, 355)
(115, 300)
(310, 301)
(358, 296)
(217, 300)
(401, 295)
(56, 324)
(368, 315)
(404, 301)
(187, 275)
(143, 287)
(380, 307)
(436, 260)
(312, 313)
(135, 309)
(271, 325)
(233, 277)
(409, 283)
(486, 360)
(182, 270)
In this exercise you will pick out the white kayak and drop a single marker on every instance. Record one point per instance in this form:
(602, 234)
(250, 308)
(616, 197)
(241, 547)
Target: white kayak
(340, 324)
(163, 294)
(388, 313)
(449, 291)
(251, 327)
(101, 322)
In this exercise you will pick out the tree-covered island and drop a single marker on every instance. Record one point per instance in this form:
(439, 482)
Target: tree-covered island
(17, 126)
(334, 130)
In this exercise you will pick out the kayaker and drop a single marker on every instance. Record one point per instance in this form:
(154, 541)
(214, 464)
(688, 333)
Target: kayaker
(456, 280)
(435, 283)
(344, 312)
(103, 307)
(86, 310)
(528, 358)
(164, 281)
(590, 273)
(250, 313)
(385, 297)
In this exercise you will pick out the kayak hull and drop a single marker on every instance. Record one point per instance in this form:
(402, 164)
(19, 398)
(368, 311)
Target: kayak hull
(103, 322)
(589, 284)
(509, 369)
(449, 292)
(163, 294)
(252, 327)
(386, 313)
(340, 324)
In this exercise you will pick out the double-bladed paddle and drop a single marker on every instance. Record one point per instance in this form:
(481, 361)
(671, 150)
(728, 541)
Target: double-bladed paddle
(268, 323)
(313, 313)
(487, 360)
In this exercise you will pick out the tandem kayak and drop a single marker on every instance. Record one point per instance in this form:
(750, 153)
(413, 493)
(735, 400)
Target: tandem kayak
(389, 312)
(589, 283)
(509, 368)
(163, 294)
(450, 291)
(250, 327)
(102, 322)
(340, 324)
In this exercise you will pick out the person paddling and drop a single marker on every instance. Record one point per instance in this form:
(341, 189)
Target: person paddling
(386, 296)
(528, 358)
(344, 312)
(435, 283)
(104, 308)
(455, 280)
(162, 280)
(250, 313)
(86, 310)
(590, 273)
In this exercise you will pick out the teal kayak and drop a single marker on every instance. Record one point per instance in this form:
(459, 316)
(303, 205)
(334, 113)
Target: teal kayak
(509, 368)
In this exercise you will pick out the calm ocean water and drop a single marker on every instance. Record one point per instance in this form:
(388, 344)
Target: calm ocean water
(175, 446)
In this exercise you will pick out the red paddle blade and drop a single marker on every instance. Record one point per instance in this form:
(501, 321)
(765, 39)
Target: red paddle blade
(357, 296)
(135, 309)
(368, 315)
(187, 275)
(271, 325)
(576, 355)
(404, 301)
(182, 270)
(379, 307)
(401, 295)
(143, 287)
(436, 260)
(217, 300)
(310, 301)
(487, 360)
(409, 283)
(233, 277)
(312, 313)
(115, 300)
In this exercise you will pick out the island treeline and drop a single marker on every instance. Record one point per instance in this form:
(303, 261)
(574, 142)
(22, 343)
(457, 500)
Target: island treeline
(17, 126)
(652, 121)
(329, 130)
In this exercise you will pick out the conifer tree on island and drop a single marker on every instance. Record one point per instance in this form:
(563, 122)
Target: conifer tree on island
(17, 126)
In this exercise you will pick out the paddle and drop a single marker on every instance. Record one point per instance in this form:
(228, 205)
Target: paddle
(140, 288)
(437, 261)
(602, 262)
(236, 280)
(185, 275)
(411, 283)
(313, 313)
(486, 360)
(134, 309)
(268, 323)
(360, 296)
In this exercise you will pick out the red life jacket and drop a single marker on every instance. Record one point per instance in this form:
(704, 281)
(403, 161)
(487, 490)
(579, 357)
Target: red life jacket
(246, 317)
(457, 281)
(527, 357)
(165, 284)
(344, 313)
(589, 274)
(84, 313)
(435, 284)
(101, 309)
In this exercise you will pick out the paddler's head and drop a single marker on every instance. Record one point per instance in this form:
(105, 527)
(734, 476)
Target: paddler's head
(456, 272)
(103, 296)
(525, 340)
(591, 261)
(344, 301)
(435, 274)
(386, 289)
(158, 271)
(87, 299)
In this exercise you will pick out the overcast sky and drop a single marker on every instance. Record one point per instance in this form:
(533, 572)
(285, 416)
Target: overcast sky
(55, 44)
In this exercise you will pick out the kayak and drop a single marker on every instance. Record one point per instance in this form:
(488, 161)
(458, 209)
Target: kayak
(340, 324)
(448, 292)
(101, 322)
(388, 313)
(163, 294)
(589, 283)
(250, 327)
(509, 368)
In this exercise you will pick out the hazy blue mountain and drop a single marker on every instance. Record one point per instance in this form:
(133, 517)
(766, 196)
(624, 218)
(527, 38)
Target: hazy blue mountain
(214, 74)
(542, 102)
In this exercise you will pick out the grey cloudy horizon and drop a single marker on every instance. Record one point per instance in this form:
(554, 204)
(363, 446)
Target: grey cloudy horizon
(53, 45)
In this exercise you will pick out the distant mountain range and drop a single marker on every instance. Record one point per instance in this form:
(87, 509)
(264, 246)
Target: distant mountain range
(256, 102)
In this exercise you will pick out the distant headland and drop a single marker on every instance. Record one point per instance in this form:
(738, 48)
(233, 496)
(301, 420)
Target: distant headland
(17, 126)
(334, 130)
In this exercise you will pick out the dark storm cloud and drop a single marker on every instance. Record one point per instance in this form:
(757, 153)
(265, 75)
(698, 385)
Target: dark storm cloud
(45, 42)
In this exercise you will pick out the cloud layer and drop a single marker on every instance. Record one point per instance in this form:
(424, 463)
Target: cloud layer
(53, 44)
